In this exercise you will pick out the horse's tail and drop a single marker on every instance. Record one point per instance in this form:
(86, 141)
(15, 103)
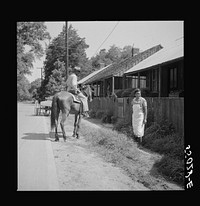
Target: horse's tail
(54, 112)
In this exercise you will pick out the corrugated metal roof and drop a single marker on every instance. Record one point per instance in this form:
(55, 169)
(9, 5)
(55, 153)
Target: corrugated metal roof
(85, 79)
(160, 57)
(118, 68)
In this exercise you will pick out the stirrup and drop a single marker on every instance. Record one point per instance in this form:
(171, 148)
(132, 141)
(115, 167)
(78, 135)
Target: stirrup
(85, 115)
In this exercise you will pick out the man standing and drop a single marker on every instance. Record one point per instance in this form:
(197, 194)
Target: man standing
(72, 84)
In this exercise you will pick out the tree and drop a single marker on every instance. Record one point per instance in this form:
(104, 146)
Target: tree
(127, 51)
(54, 75)
(34, 87)
(114, 53)
(29, 37)
(23, 87)
(29, 34)
(57, 78)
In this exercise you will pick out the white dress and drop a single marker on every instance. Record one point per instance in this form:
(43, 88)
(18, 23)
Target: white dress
(138, 116)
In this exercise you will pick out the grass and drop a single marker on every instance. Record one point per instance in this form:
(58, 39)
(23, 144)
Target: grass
(163, 139)
(160, 138)
(111, 144)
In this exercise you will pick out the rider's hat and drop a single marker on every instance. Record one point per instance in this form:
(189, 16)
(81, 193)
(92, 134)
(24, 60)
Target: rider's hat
(78, 69)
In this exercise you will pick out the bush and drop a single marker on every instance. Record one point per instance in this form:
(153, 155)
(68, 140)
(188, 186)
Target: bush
(92, 114)
(106, 118)
(119, 93)
(163, 128)
(150, 118)
(113, 119)
(99, 114)
(162, 138)
(172, 168)
(144, 92)
(127, 92)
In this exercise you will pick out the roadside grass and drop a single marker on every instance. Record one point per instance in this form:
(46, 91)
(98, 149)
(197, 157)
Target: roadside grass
(163, 139)
(122, 151)
(160, 138)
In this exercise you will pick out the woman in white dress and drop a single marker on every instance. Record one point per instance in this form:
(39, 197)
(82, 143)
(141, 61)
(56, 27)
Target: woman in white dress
(139, 116)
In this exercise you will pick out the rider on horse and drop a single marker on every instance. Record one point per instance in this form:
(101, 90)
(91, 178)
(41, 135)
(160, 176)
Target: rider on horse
(72, 84)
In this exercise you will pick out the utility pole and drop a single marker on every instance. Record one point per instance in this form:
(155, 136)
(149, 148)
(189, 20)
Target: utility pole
(132, 50)
(66, 49)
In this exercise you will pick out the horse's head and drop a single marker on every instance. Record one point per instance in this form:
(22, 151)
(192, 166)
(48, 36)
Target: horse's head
(87, 91)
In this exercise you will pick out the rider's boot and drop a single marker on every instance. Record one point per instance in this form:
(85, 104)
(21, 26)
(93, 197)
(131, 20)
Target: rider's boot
(85, 114)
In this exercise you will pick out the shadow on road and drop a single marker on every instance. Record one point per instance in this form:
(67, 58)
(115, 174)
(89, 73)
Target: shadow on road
(60, 136)
(36, 136)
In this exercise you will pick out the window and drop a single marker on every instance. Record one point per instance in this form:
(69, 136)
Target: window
(118, 82)
(154, 80)
(173, 78)
(134, 81)
(142, 81)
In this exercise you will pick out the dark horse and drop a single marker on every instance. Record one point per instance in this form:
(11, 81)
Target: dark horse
(63, 101)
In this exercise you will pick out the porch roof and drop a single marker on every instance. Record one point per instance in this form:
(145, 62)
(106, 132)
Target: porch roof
(88, 77)
(162, 56)
(118, 68)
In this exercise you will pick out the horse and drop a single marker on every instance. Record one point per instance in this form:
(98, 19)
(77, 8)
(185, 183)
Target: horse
(64, 102)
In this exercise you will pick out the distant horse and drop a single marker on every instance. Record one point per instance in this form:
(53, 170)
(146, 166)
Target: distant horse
(64, 102)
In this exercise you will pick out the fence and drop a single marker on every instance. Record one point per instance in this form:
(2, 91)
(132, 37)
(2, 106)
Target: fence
(166, 107)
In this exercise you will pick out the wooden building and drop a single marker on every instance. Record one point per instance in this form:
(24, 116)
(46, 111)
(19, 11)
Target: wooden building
(111, 78)
(162, 73)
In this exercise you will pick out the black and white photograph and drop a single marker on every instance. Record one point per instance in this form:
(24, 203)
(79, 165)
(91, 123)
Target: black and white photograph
(100, 106)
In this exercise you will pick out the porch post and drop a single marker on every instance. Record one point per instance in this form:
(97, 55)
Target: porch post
(104, 88)
(138, 80)
(96, 83)
(159, 81)
(113, 84)
(123, 81)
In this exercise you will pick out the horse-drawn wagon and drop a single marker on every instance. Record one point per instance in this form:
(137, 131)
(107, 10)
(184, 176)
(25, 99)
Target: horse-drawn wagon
(43, 108)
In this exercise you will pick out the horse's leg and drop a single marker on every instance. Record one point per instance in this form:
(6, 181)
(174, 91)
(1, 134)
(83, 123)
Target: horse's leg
(62, 124)
(56, 124)
(78, 125)
(75, 122)
(56, 131)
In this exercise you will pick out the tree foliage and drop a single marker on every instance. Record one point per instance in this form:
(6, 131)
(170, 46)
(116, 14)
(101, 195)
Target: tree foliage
(23, 87)
(29, 37)
(54, 65)
(114, 54)
(34, 87)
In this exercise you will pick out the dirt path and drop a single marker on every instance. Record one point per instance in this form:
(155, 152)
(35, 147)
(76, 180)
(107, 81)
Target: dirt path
(80, 168)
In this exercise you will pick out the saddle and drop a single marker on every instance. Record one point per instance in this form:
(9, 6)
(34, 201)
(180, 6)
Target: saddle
(75, 97)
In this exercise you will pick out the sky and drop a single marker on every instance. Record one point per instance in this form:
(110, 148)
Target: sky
(103, 34)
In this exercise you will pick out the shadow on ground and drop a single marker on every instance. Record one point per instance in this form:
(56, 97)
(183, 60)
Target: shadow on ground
(36, 136)
(44, 136)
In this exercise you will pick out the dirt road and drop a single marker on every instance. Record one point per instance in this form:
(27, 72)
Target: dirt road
(36, 165)
(79, 168)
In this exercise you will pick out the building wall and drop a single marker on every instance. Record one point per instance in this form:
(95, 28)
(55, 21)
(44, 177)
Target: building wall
(165, 81)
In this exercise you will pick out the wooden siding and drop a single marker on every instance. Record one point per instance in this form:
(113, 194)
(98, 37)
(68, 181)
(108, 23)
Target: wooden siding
(166, 107)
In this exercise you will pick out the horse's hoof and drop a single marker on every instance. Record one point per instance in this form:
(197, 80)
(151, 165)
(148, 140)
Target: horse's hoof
(56, 140)
(73, 135)
(77, 137)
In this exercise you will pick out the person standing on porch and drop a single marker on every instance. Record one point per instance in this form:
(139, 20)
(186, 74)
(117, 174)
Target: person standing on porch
(139, 115)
